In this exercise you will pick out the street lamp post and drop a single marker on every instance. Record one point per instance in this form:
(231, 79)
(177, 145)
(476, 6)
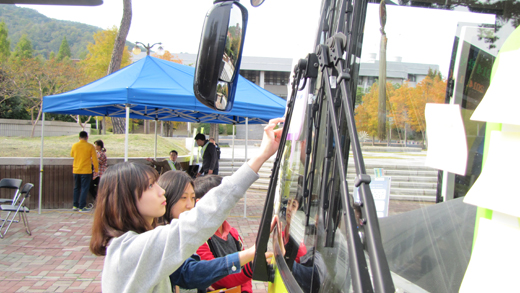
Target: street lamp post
(136, 50)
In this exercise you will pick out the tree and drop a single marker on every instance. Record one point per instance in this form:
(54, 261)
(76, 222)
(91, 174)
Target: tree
(118, 55)
(98, 59)
(381, 129)
(24, 49)
(428, 90)
(168, 57)
(398, 107)
(64, 50)
(5, 50)
(8, 88)
(366, 112)
(36, 78)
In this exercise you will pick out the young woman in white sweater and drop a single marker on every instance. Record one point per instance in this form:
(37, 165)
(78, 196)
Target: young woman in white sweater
(139, 255)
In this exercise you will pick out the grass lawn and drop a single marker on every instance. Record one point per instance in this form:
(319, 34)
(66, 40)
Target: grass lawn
(139, 145)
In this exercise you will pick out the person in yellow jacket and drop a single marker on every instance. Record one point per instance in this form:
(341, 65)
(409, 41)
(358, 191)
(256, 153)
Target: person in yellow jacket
(84, 155)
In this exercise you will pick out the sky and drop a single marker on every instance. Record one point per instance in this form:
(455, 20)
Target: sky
(278, 28)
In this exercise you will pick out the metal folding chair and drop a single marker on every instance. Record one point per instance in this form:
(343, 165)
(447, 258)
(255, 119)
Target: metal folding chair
(16, 207)
(10, 183)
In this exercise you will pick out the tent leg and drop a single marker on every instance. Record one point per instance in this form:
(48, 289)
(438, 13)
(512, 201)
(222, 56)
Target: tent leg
(41, 170)
(245, 195)
(233, 152)
(126, 131)
(155, 149)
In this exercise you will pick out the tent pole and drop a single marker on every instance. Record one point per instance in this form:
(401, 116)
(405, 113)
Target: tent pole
(155, 149)
(41, 170)
(126, 131)
(245, 195)
(97, 125)
(233, 152)
(247, 132)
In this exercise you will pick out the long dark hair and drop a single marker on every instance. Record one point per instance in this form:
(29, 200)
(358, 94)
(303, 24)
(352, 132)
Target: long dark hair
(100, 143)
(206, 183)
(174, 183)
(120, 187)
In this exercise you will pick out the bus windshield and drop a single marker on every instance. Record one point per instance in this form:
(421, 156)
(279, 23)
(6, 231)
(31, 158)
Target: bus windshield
(436, 52)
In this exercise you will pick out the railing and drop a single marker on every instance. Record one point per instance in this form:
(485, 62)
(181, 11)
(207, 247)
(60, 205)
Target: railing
(58, 183)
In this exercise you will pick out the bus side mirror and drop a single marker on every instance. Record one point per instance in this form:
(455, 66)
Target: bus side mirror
(220, 53)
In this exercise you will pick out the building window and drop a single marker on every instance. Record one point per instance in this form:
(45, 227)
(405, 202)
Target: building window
(412, 77)
(276, 78)
(371, 81)
(249, 75)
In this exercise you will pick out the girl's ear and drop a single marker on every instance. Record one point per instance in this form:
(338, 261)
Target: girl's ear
(197, 200)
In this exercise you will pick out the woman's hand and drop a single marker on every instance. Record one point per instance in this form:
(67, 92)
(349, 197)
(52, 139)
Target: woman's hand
(247, 255)
(269, 257)
(270, 143)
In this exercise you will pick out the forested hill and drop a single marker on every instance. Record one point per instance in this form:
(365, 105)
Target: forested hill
(46, 34)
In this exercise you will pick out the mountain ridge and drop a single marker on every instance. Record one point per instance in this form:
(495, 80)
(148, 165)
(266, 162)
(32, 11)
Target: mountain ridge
(46, 34)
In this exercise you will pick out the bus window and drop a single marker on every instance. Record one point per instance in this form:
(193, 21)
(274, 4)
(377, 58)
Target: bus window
(426, 229)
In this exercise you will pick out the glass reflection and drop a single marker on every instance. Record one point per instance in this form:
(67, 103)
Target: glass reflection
(222, 95)
(233, 43)
(427, 245)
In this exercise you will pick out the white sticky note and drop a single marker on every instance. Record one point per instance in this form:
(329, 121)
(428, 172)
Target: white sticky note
(447, 146)
(495, 260)
(496, 187)
(502, 99)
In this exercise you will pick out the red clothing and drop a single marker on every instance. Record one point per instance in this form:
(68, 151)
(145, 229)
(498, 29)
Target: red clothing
(244, 277)
(103, 165)
(302, 249)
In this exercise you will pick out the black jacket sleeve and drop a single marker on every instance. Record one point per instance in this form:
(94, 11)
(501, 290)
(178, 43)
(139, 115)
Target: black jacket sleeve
(210, 159)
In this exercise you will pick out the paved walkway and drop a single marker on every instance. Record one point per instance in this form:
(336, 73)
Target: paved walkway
(56, 258)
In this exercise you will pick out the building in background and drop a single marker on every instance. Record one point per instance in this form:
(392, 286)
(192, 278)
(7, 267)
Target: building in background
(396, 72)
(273, 74)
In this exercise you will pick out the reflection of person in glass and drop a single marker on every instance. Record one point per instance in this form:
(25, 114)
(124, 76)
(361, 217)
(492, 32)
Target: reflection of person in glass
(290, 211)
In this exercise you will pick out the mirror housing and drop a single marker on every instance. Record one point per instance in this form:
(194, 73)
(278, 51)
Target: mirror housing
(219, 56)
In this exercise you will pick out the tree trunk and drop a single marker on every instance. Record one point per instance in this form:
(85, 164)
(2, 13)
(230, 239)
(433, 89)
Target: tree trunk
(213, 131)
(381, 110)
(118, 125)
(104, 125)
(117, 55)
(37, 118)
(405, 136)
(162, 130)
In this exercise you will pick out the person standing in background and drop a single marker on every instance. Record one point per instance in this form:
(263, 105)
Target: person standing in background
(217, 147)
(85, 156)
(167, 165)
(103, 165)
(208, 154)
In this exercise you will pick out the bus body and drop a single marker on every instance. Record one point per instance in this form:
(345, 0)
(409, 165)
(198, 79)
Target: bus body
(332, 227)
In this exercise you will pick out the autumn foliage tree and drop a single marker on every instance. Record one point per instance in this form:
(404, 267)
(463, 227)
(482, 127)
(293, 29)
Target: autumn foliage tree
(168, 57)
(36, 78)
(99, 54)
(405, 105)
(366, 112)
(429, 90)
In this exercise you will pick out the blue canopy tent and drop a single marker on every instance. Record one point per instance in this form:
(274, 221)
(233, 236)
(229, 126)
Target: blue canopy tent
(152, 88)
(161, 90)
